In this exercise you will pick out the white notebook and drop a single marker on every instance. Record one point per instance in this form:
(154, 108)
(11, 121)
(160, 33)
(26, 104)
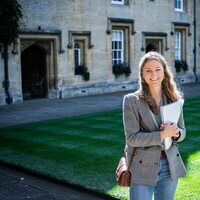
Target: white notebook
(171, 113)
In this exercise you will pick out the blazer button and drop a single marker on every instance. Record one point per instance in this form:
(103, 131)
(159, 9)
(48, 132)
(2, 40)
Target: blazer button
(140, 161)
(177, 154)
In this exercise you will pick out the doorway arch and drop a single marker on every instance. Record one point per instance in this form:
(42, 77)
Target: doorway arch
(33, 66)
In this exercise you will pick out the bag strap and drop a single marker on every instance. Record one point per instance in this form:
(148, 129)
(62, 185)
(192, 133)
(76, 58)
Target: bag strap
(129, 164)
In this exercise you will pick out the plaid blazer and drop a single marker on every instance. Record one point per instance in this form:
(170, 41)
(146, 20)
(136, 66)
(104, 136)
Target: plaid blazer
(142, 133)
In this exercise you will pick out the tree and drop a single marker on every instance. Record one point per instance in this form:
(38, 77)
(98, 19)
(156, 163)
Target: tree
(10, 15)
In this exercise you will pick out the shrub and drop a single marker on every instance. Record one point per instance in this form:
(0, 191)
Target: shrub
(181, 65)
(121, 68)
(82, 70)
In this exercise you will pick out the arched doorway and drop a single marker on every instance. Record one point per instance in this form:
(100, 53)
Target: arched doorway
(33, 64)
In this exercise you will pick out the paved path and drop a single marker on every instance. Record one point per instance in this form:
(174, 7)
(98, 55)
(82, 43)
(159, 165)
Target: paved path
(17, 185)
(42, 109)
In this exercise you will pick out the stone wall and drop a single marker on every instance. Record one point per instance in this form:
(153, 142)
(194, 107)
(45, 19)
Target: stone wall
(47, 16)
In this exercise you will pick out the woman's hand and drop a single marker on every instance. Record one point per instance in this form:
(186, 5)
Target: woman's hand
(169, 130)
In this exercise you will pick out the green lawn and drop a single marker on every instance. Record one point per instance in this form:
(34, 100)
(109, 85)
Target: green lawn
(85, 150)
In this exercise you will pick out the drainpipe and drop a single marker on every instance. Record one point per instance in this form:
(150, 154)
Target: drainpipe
(194, 51)
(6, 82)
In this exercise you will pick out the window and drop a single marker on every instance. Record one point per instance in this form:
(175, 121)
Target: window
(77, 54)
(119, 2)
(79, 61)
(180, 32)
(177, 45)
(154, 41)
(180, 50)
(80, 42)
(120, 30)
(117, 46)
(179, 5)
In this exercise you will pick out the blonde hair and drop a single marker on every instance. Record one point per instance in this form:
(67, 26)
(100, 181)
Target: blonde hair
(169, 87)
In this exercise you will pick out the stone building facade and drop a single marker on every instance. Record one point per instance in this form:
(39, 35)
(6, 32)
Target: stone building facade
(72, 48)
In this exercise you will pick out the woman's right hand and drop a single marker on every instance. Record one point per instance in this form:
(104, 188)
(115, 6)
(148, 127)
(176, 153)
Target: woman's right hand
(169, 130)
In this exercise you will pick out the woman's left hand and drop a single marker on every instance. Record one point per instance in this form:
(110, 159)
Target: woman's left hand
(169, 130)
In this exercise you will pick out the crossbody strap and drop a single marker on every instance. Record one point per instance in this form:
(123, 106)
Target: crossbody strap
(129, 164)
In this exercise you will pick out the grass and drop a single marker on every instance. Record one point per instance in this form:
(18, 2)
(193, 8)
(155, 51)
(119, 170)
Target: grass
(85, 150)
(188, 188)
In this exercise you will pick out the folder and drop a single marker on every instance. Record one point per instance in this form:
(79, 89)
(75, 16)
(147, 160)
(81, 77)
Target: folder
(171, 113)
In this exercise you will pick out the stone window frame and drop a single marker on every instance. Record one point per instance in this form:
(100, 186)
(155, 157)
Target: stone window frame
(180, 25)
(72, 35)
(184, 29)
(127, 25)
(84, 38)
(155, 35)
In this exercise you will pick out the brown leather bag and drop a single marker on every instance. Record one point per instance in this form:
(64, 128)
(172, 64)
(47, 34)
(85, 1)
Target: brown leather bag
(123, 174)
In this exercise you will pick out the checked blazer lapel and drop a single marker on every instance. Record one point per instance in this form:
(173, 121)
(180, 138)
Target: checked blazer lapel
(145, 113)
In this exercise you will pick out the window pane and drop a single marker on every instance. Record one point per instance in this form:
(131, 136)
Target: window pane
(115, 55)
(117, 46)
(121, 2)
(120, 45)
(177, 45)
(77, 57)
(179, 5)
(119, 55)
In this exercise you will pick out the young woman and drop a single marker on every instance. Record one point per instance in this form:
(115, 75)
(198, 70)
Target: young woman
(155, 170)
